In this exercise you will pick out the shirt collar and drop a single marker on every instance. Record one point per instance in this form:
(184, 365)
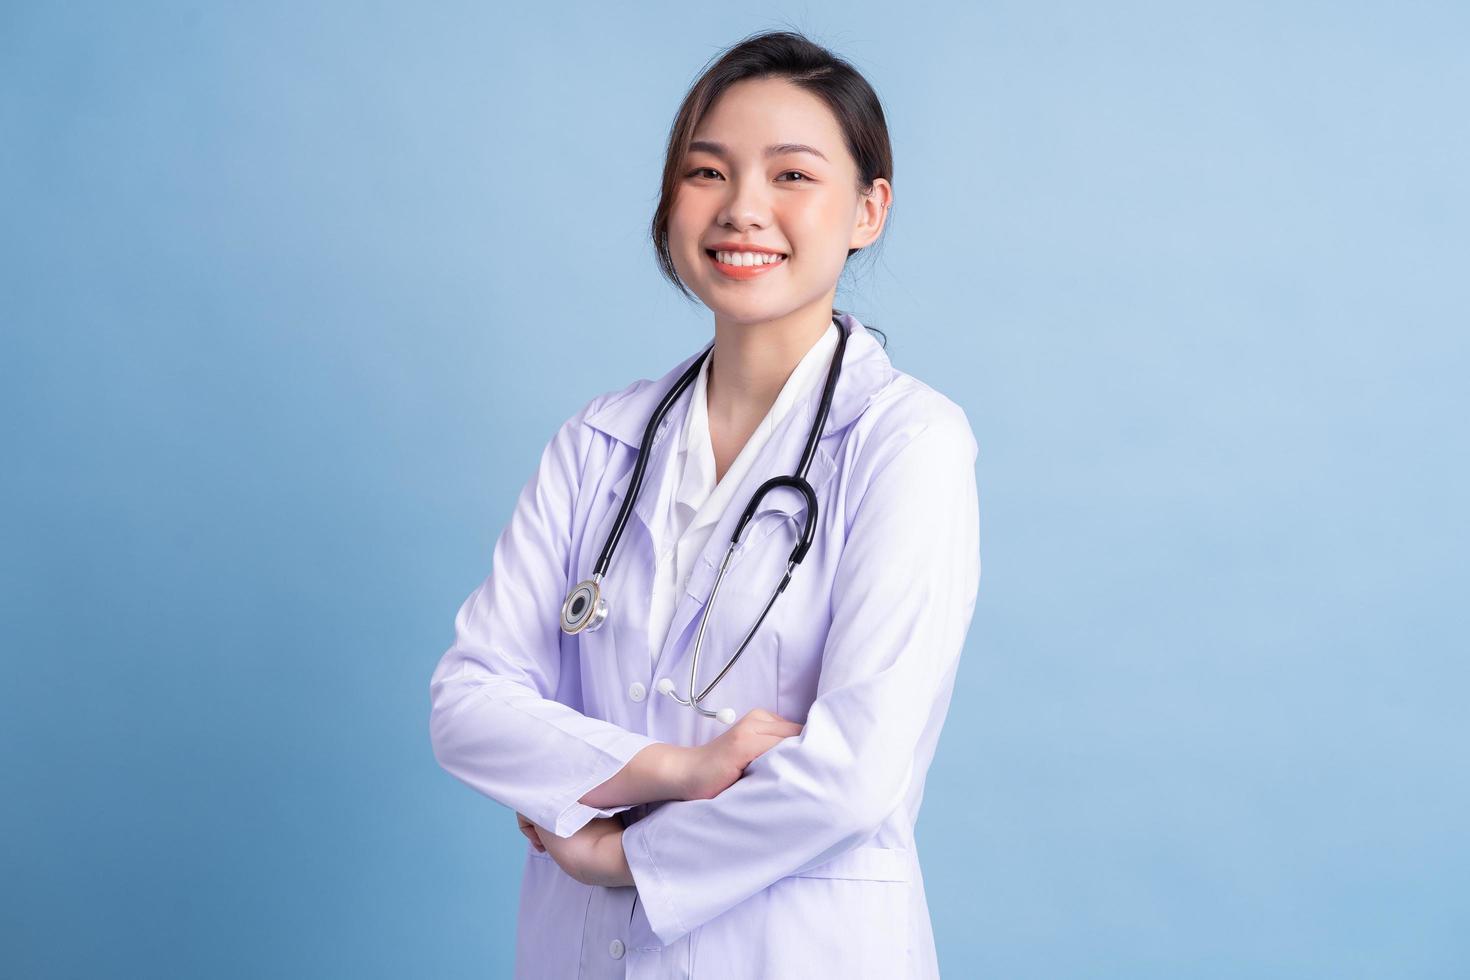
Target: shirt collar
(698, 454)
(697, 484)
(866, 370)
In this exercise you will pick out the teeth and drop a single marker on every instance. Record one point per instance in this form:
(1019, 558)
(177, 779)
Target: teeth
(747, 258)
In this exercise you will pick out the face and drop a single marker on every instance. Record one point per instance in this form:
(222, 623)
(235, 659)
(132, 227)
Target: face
(802, 204)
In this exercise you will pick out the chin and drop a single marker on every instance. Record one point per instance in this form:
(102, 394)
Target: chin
(752, 314)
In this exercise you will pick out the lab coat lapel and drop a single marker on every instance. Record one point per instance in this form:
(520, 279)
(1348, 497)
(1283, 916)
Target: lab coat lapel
(626, 419)
(631, 575)
(658, 468)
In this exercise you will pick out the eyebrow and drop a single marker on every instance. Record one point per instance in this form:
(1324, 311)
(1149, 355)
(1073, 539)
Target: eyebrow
(774, 150)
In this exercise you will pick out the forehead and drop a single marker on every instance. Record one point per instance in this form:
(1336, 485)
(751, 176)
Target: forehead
(756, 112)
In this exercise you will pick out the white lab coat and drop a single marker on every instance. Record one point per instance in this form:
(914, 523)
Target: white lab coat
(806, 866)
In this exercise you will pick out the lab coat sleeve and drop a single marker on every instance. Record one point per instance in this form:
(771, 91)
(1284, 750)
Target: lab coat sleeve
(903, 597)
(493, 720)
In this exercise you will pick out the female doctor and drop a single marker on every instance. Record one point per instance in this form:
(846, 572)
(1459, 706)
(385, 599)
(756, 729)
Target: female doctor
(703, 798)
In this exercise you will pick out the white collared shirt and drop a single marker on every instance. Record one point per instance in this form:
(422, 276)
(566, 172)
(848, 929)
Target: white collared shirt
(697, 502)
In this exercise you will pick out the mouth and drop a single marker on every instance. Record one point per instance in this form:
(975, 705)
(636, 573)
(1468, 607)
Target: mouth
(732, 265)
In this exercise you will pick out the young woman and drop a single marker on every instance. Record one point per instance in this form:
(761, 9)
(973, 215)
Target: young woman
(700, 798)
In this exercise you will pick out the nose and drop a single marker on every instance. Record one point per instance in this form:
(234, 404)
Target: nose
(746, 207)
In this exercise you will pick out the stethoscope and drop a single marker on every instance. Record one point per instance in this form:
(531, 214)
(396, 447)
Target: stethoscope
(585, 607)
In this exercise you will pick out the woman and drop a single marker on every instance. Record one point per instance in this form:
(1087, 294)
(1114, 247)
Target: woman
(773, 838)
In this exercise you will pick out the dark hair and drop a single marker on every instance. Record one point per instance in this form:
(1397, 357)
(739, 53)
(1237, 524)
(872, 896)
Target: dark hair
(788, 55)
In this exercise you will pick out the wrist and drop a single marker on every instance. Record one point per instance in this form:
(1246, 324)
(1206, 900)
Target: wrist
(671, 771)
(621, 874)
(605, 864)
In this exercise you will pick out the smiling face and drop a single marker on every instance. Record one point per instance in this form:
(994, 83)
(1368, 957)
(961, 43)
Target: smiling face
(769, 168)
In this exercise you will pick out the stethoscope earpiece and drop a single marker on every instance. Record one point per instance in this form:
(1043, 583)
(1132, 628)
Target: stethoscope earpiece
(665, 685)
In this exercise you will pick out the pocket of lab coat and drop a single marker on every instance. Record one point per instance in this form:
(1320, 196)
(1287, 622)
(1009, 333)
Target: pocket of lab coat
(846, 918)
(751, 682)
(758, 679)
(796, 626)
(867, 862)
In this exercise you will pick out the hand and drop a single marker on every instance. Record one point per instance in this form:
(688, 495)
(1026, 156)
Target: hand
(593, 855)
(529, 829)
(710, 769)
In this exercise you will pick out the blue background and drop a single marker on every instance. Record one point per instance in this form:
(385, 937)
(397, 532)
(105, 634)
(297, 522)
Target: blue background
(293, 295)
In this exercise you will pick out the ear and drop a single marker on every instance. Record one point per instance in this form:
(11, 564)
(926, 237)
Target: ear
(872, 214)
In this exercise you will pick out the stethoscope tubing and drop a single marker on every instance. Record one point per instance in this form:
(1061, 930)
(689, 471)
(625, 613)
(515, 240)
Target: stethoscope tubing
(796, 481)
(616, 534)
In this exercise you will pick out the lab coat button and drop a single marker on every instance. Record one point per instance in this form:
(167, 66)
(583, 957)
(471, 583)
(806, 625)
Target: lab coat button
(616, 949)
(636, 690)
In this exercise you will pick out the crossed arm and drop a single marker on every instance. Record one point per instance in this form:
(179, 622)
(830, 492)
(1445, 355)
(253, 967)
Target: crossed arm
(594, 854)
(660, 771)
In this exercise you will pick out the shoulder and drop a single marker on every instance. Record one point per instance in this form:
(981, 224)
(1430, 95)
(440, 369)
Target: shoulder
(906, 411)
(589, 438)
(583, 422)
(912, 450)
(621, 414)
(614, 400)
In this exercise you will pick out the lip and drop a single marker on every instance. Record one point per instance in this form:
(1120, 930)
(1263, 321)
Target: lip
(743, 247)
(742, 272)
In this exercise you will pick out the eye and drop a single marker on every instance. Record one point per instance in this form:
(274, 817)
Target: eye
(697, 171)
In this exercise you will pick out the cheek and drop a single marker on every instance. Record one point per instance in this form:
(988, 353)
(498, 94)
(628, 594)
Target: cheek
(823, 226)
(678, 230)
(691, 212)
(684, 235)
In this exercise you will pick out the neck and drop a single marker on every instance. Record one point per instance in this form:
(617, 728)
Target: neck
(751, 362)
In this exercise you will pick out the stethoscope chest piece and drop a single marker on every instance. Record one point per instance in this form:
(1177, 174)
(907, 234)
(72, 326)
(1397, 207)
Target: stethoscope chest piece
(585, 609)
